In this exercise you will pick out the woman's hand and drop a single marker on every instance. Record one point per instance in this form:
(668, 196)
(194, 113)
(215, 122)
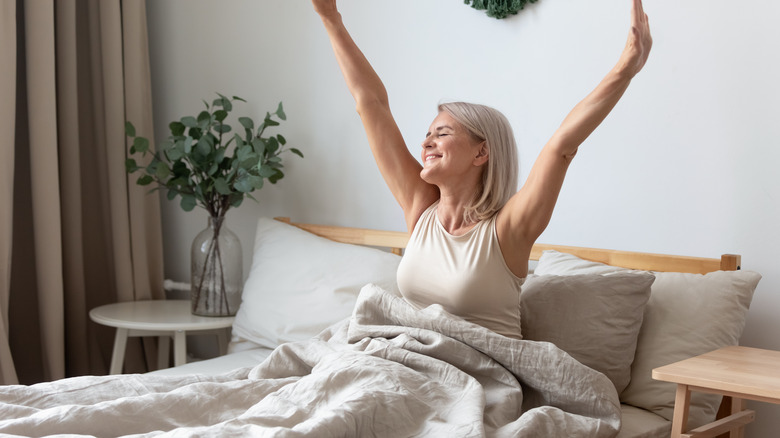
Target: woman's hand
(639, 42)
(325, 8)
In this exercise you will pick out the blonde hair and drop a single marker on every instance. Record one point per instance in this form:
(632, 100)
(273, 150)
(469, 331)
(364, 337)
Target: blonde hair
(499, 177)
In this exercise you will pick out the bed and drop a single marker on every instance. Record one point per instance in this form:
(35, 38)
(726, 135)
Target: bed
(323, 345)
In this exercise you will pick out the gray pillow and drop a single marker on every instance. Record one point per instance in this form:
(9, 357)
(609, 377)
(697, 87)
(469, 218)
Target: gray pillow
(594, 318)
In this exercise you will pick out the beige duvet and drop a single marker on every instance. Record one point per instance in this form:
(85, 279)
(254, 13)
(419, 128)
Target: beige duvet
(388, 371)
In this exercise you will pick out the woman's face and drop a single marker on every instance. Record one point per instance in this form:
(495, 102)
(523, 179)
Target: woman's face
(450, 151)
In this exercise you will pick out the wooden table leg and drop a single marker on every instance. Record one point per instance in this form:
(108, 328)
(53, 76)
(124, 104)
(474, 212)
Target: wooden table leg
(118, 356)
(737, 405)
(179, 348)
(682, 401)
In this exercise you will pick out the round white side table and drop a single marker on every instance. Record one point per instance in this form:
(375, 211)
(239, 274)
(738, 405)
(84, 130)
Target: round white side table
(164, 318)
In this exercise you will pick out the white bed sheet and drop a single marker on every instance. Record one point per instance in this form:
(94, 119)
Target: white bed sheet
(219, 365)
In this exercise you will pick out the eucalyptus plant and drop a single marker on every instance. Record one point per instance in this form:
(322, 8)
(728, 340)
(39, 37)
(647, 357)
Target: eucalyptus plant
(197, 163)
(209, 165)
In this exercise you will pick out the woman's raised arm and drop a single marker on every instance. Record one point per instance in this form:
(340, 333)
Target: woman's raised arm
(399, 168)
(528, 212)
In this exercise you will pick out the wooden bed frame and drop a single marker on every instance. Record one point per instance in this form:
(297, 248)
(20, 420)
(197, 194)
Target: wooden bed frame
(396, 241)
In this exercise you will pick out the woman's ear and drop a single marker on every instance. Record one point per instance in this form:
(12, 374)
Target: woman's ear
(482, 154)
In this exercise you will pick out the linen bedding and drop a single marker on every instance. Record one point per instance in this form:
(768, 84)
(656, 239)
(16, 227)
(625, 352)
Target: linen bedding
(388, 370)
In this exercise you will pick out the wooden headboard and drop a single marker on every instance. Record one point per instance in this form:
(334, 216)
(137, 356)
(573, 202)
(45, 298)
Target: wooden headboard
(396, 242)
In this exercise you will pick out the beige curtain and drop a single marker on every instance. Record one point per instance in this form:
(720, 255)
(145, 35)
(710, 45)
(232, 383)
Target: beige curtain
(77, 232)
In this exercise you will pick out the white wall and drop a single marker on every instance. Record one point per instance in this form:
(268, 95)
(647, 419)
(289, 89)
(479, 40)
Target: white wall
(685, 164)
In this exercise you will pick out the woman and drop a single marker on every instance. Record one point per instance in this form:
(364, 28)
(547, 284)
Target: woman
(471, 233)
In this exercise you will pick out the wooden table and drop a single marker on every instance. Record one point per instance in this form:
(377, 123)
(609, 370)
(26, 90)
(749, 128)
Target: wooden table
(739, 372)
(164, 318)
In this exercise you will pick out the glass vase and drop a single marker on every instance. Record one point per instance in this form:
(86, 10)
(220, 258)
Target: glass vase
(216, 277)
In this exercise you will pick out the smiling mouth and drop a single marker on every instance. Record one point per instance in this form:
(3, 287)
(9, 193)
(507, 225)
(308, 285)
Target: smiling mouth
(431, 157)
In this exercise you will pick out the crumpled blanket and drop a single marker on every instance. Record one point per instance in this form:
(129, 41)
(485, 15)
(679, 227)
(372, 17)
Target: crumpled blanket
(388, 371)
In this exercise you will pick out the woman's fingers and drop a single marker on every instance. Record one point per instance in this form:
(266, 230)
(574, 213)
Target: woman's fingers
(639, 40)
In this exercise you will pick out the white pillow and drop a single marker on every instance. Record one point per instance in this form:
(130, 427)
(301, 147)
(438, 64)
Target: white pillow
(301, 283)
(686, 315)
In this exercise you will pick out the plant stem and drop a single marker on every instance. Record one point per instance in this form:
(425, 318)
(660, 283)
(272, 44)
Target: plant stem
(213, 269)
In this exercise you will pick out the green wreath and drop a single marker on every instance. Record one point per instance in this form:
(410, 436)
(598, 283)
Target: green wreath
(499, 8)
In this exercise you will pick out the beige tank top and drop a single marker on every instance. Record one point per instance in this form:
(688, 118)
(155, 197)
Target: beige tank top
(466, 275)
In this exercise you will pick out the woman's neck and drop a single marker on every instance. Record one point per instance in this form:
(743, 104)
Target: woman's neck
(450, 212)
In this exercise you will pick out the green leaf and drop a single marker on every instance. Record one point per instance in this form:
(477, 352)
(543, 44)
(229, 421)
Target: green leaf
(140, 144)
(250, 163)
(244, 153)
(236, 199)
(162, 171)
(247, 123)
(130, 165)
(244, 183)
(223, 129)
(204, 115)
(281, 139)
(269, 121)
(180, 169)
(187, 145)
(172, 194)
(203, 148)
(223, 188)
(180, 182)
(266, 171)
(258, 145)
(175, 153)
(145, 180)
(220, 115)
(225, 102)
(129, 129)
(209, 139)
(167, 143)
(276, 177)
(258, 182)
(271, 145)
(239, 141)
(296, 152)
(238, 98)
(188, 202)
(280, 112)
(195, 133)
(189, 122)
(213, 169)
(177, 128)
(219, 156)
